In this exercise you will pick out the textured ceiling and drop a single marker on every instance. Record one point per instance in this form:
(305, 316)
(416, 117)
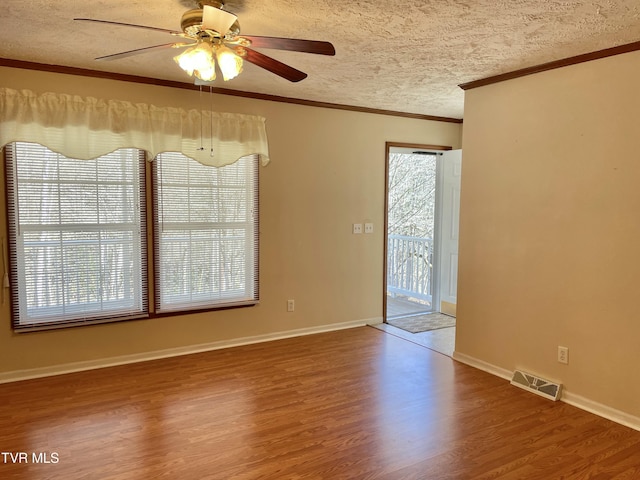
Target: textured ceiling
(400, 55)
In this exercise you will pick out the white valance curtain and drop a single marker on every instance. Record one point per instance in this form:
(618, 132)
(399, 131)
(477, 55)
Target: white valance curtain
(87, 127)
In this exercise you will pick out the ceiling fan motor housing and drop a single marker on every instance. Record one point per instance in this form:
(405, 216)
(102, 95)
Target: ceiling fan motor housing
(191, 22)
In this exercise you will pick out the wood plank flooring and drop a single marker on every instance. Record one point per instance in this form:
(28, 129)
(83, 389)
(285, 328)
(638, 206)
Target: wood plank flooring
(442, 340)
(352, 404)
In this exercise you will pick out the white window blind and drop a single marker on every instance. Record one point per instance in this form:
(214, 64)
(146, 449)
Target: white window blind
(206, 233)
(78, 244)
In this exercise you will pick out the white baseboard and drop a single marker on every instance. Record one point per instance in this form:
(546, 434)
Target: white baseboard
(481, 365)
(18, 375)
(601, 410)
(578, 401)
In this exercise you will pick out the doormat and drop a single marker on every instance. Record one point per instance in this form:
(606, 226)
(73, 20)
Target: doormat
(423, 323)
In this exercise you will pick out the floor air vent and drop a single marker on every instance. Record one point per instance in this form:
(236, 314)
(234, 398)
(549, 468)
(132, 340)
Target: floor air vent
(536, 385)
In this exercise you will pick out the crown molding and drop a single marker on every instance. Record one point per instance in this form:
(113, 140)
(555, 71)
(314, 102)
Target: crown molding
(6, 62)
(565, 62)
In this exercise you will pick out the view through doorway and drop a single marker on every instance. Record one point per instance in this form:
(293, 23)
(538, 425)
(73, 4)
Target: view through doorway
(421, 262)
(411, 208)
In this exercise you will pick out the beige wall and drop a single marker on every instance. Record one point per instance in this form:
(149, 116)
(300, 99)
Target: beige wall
(327, 172)
(550, 228)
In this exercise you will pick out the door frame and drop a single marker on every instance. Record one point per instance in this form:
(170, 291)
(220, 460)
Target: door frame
(388, 147)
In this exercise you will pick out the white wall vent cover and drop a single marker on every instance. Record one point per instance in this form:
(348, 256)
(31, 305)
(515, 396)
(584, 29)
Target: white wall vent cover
(537, 385)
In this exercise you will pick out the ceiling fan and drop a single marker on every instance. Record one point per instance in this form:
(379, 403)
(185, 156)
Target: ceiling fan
(214, 34)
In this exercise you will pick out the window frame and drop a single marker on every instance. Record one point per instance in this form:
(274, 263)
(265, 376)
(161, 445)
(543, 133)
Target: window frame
(255, 237)
(17, 269)
(148, 228)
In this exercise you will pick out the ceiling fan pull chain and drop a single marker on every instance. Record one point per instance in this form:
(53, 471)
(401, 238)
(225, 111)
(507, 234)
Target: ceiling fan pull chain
(201, 115)
(211, 113)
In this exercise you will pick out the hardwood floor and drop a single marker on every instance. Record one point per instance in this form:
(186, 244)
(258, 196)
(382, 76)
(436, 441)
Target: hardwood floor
(442, 340)
(352, 404)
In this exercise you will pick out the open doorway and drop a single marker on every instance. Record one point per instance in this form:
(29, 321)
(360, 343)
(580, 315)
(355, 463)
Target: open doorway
(421, 212)
(411, 209)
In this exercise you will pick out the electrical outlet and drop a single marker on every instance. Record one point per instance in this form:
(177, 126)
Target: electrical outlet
(563, 355)
(368, 228)
(291, 305)
(357, 228)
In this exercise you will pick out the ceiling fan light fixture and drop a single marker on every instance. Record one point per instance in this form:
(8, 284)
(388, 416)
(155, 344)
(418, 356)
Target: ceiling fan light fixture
(230, 64)
(198, 61)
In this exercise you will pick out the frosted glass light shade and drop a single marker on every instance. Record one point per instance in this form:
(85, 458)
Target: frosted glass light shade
(198, 61)
(230, 64)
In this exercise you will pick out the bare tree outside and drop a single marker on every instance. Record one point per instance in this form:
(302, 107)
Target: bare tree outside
(412, 190)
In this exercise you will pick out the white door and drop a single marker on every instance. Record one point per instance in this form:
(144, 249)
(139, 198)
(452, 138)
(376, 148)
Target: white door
(448, 234)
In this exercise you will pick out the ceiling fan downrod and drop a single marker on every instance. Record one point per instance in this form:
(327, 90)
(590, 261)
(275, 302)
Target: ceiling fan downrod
(212, 3)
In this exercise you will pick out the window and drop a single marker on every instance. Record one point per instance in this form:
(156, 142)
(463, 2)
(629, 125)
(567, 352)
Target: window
(77, 236)
(206, 233)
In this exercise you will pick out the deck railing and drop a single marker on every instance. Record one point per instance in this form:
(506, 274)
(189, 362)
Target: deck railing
(410, 266)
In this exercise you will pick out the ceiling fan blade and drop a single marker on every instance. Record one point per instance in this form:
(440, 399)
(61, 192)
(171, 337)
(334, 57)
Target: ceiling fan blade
(157, 29)
(273, 65)
(137, 51)
(293, 44)
(216, 19)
